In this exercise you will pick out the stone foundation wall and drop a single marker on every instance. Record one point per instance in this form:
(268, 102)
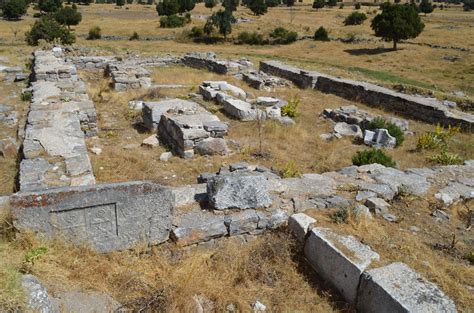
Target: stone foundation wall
(61, 115)
(205, 61)
(424, 109)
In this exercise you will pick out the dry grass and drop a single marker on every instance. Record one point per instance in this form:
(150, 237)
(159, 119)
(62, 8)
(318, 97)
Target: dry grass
(299, 143)
(264, 269)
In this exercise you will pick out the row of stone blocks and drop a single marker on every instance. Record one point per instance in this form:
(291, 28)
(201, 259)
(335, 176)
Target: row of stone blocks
(420, 108)
(346, 264)
(60, 116)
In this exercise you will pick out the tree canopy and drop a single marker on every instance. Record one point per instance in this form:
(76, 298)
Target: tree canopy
(68, 16)
(397, 22)
(14, 9)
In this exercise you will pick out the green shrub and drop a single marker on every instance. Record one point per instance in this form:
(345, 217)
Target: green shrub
(272, 3)
(291, 109)
(355, 18)
(68, 16)
(370, 156)
(341, 6)
(251, 38)
(357, 6)
(446, 158)
(134, 36)
(14, 9)
(341, 216)
(49, 30)
(173, 21)
(437, 139)
(94, 33)
(197, 32)
(283, 36)
(321, 34)
(290, 170)
(392, 129)
(318, 4)
(26, 96)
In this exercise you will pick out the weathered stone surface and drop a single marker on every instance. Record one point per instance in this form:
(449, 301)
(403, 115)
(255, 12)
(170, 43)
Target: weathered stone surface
(396, 179)
(108, 217)
(151, 141)
(8, 148)
(379, 138)
(377, 206)
(350, 130)
(189, 194)
(455, 191)
(166, 156)
(37, 297)
(127, 76)
(212, 146)
(198, 226)
(84, 302)
(241, 110)
(152, 111)
(348, 259)
(398, 288)
(244, 222)
(300, 224)
(238, 191)
(226, 87)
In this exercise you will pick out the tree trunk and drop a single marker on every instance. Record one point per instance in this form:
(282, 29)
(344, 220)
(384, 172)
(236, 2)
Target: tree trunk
(394, 44)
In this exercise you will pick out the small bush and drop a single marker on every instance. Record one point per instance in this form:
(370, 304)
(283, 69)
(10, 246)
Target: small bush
(357, 6)
(291, 109)
(355, 18)
(318, 4)
(341, 216)
(283, 36)
(437, 139)
(446, 158)
(321, 34)
(251, 38)
(370, 156)
(14, 9)
(26, 96)
(272, 3)
(290, 170)
(393, 129)
(49, 30)
(173, 21)
(197, 32)
(94, 33)
(134, 36)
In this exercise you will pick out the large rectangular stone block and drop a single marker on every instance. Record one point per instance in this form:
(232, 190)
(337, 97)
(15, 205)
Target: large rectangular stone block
(397, 288)
(338, 259)
(107, 217)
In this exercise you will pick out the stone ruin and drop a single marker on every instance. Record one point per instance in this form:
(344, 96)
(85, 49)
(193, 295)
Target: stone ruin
(127, 76)
(186, 127)
(58, 196)
(235, 104)
(61, 116)
(354, 122)
(210, 62)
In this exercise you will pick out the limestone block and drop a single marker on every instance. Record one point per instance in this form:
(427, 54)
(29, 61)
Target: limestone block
(240, 191)
(338, 259)
(299, 224)
(397, 288)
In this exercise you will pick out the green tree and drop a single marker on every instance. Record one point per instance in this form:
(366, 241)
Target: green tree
(185, 6)
(120, 3)
(68, 16)
(332, 3)
(468, 5)
(321, 34)
(258, 7)
(210, 4)
(289, 3)
(397, 22)
(425, 6)
(167, 7)
(48, 29)
(357, 6)
(49, 6)
(318, 4)
(272, 3)
(230, 5)
(222, 20)
(14, 9)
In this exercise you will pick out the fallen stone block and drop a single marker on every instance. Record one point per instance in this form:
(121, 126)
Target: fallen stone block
(300, 224)
(198, 226)
(212, 146)
(238, 191)
(379, 138)
(377, 206)
(339, 259)
(350, 130)
(398, 288)
(245, 222)
(152, 111)
(241, 110)
(107, 217)
(37, 297)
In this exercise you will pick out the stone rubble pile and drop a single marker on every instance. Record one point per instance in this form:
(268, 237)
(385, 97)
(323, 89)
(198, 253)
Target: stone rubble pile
(186, 127)
(420, 108)
(61, 116)
(127, 76)
(210, 62)
(391, 288)
(239, 107)
(264, 81)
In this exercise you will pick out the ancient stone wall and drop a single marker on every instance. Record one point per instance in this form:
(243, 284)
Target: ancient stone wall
(61, 116)
(420, 108)
(108, 217)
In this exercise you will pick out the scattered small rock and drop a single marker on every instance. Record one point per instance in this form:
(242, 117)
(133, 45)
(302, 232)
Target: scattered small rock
(96, 150)
(151, 141)
(165, 156)
(440, 215)
(390, 217)
(259, 307)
